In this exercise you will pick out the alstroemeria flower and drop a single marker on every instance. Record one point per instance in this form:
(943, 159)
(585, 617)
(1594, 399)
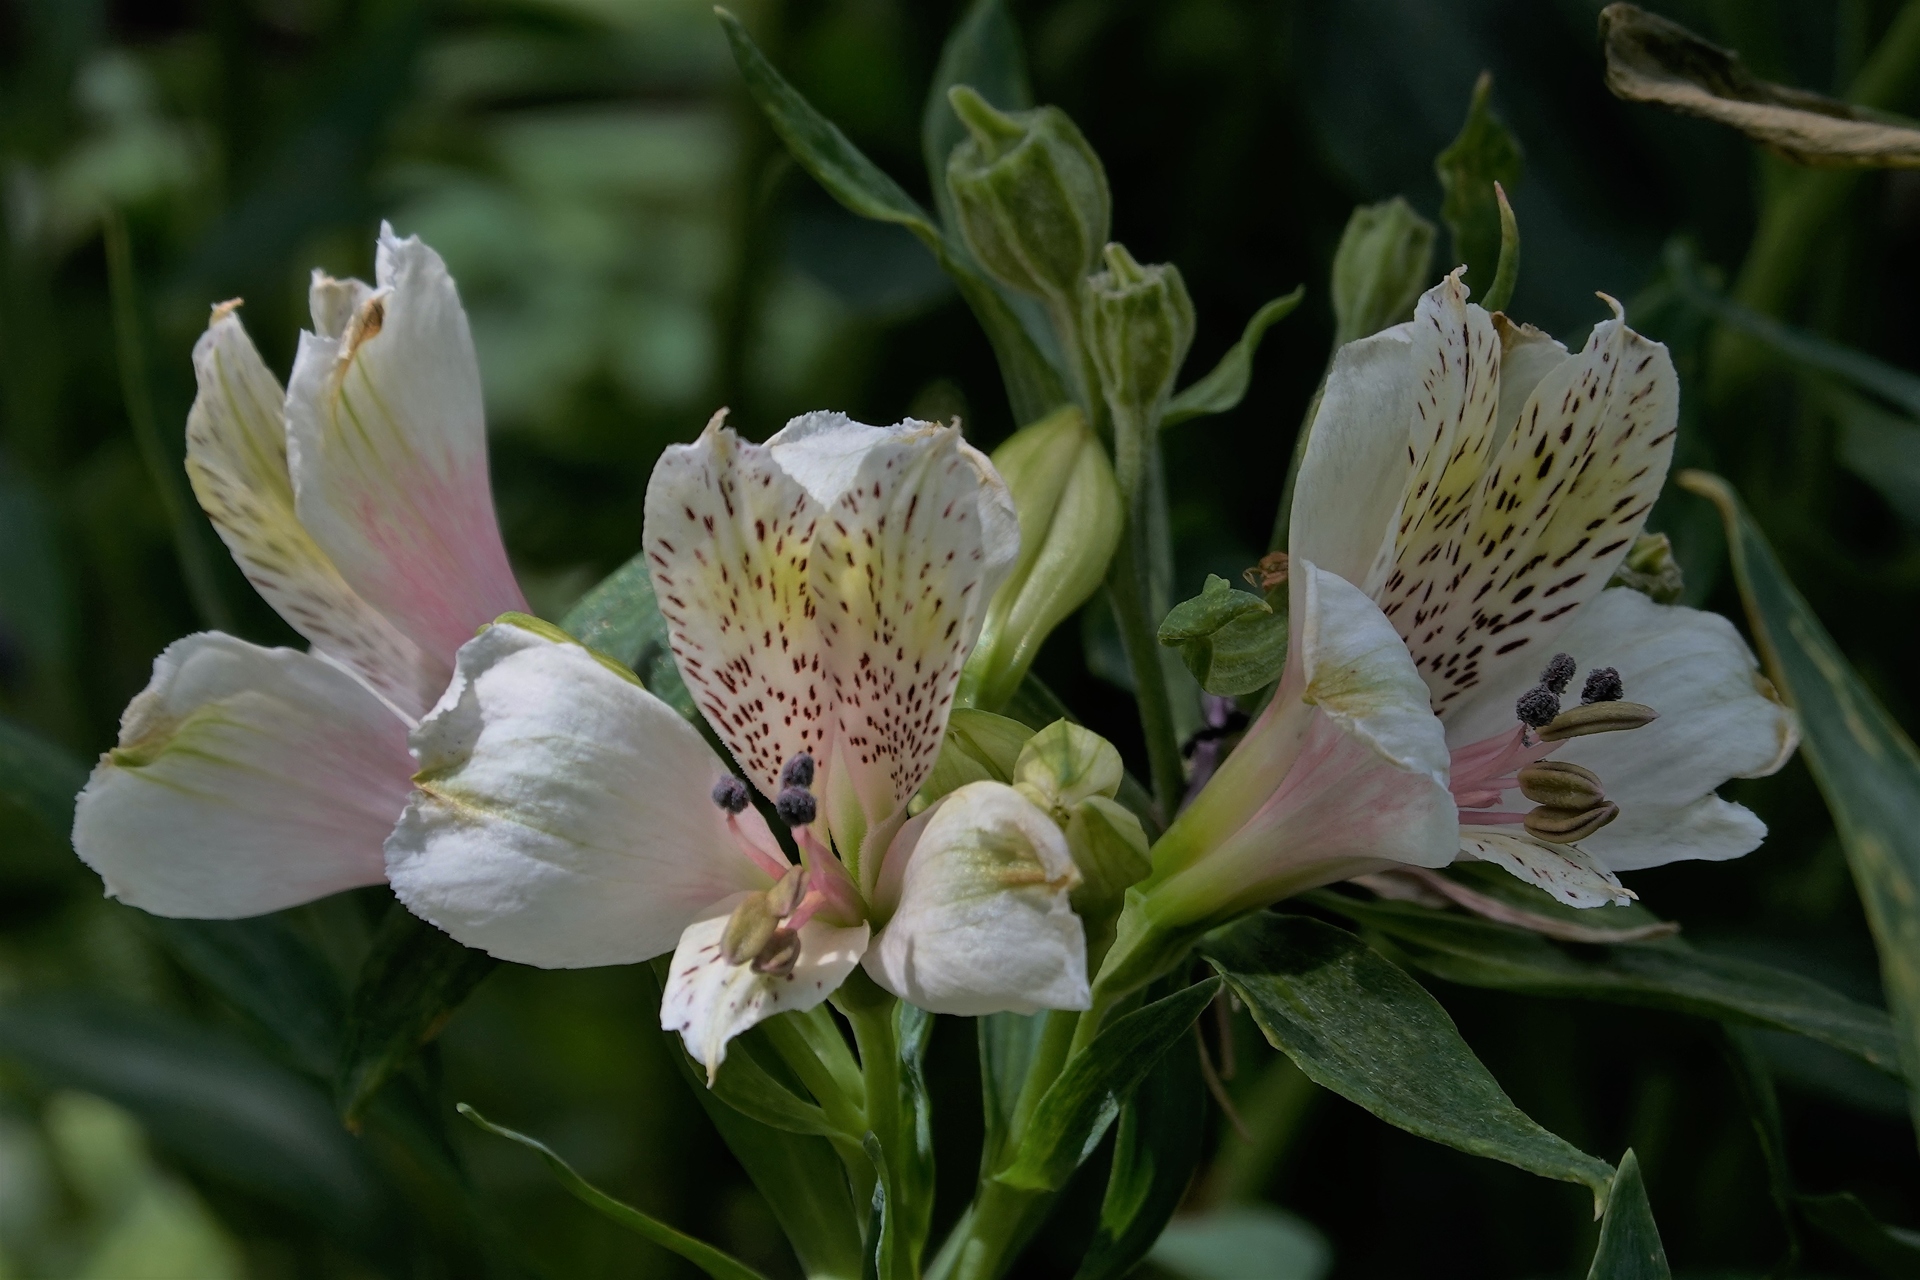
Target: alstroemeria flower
(821, 593)
(1482, 484)
(1343, 773)
(248, 779)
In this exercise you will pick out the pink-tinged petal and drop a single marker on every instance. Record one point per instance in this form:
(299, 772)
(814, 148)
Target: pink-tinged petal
(1347, 768)
(983, 923)
(710, 1001)
(237, 462)
(389, 451)
(1569, 873)
(562, 815)
(728, 538)
(904, 563)
(245, 780)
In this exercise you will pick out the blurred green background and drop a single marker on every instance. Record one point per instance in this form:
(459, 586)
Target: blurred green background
(635, 250)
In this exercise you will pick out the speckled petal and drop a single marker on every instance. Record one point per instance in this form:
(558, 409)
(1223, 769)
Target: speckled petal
(709, 1001)
(728, 537)
(389, 451)
(237, 462)
(1570, 874)
(245, 780)
(1568, 493)
(904, 564)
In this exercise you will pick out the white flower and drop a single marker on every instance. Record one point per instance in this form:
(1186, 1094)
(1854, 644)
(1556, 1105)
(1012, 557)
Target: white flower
(249, 779)
(1482, 484)
(821, 593)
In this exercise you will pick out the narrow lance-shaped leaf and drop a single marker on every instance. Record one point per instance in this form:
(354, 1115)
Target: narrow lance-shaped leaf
(1225, 385)
(1076, 1109)
(1157, 1148)
(1630, 1246)
(1358, 1025)
(719, 1265)
(802, 1177)
(1661, 975)
(1033, 385)
(410, 984)
(1865, 764)
(1652, 59)
(983, 52)
(1890, 1252)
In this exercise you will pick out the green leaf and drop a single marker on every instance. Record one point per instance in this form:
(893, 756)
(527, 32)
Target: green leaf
(1234, 642)
(39, 776)
(1076, 1109)
(1158, 1146)
(409, 985)
(1662, 975)
(621, 618)
(802, 1177)
(719, 1265)
(747, 1086)
(1225, 385)
(1892, 1252)
(1507, 273)
(1241, 1241)
(1007, 1043)
(1355, 1023)
(1754, 1082)
(1865, 765)
(1033, 384)
(218, 1105)
(1629, 1241)
(265, 969)
(1484, 153)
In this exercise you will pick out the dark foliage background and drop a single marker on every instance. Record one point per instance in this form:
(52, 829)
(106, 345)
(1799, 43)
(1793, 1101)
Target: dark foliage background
(635, 251)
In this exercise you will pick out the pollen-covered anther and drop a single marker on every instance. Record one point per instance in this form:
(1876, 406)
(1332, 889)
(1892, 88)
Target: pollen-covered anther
(1569, 826)
(1559, 673)
(730, 794)
(1603, 685)
(797, 772)
(1561, 784)
(1596, 717)
(796, 806)
(1537, 707)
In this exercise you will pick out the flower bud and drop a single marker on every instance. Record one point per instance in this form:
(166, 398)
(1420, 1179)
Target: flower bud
(1070, 519)
(1138, 323)
(1064, 764)
(978, 747)
(1382, 264)
(1109, 847)
(1651, 569)
(1030, 196)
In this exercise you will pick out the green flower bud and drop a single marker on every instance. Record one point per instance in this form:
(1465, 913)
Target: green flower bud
(1030, 196)
(1070, 518)
(1138, 323)
(1651, 569)
(978, 747)
(1073, 773)
(1382, 264)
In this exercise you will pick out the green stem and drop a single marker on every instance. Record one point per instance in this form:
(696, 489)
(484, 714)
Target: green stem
(836, 1087)
(196, 566)
(1129, 582)
(870, 1010)
(989, 1239)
